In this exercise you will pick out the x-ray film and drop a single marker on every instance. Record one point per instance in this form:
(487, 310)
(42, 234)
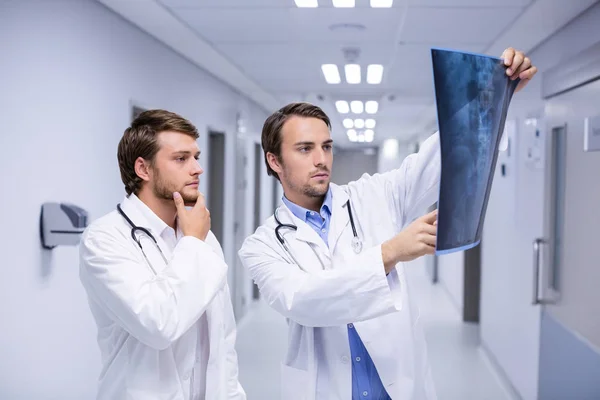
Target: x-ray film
(472, 95)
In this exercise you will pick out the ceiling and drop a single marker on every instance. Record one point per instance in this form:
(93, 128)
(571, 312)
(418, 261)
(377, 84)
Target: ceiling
(272, 50)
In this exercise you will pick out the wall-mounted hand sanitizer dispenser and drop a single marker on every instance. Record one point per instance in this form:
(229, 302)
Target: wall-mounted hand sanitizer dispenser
(61, 224)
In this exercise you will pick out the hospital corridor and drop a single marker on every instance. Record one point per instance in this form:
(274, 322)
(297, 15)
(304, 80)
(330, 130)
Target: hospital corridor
(300, 199)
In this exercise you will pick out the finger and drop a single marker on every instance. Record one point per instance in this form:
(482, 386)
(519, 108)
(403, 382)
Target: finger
(428, 239)
(178, 202)
(429, 218)
(516, 63)
(200, 202)
(430, 229)
(528, 74)
(508, 55)
(524, 66)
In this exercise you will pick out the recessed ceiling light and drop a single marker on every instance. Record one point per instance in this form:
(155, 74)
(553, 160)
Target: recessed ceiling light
(374, 74)
(342, 106)
(352, 135)
(331, 73)
(370, 123)
(343, 3)
(371, 107)
(348, 123)
(359, 123)
(306, 3)
(352, 73)
(369, 135)
(356, 107)
(361, 138)
(381, 3)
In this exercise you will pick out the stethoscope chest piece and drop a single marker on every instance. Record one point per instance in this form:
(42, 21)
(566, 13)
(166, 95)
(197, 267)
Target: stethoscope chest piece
(356, 245)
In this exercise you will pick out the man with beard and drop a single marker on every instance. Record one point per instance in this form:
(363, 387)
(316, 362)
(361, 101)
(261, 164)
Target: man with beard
(155, 275)
(331, 261)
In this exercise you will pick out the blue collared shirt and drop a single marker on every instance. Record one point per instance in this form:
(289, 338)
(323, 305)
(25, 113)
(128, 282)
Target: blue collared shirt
(366, 383)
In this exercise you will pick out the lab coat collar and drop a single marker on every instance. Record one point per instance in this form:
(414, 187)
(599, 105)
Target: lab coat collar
(142, 215)
(339, 215)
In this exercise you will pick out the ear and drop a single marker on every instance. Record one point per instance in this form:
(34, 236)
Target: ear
(274, 163)
(142, 169)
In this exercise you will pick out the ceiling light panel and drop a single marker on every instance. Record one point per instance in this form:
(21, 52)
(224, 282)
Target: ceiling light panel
(343, 3)
(370, 123)
(331, 73)
(371, 107)
(374, 74)
(306, 3)
(348, 123)
(356, 107)
(352, 73)
(359, 123)
(369, 135)
(381, 3)
(342, 107)
(352, 135)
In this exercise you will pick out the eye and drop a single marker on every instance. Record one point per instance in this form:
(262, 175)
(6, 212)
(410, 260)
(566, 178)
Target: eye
(304, 149)
(328, 147)
(181, 159)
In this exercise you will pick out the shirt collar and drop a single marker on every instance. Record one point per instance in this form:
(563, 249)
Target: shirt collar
(303, 213)
(153, 222)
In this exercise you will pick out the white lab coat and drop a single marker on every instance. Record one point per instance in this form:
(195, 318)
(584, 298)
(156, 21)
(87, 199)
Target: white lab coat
(148, 329)
(352, 289)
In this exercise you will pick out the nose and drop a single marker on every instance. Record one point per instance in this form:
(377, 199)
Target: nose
(319, 157)
(197, 169)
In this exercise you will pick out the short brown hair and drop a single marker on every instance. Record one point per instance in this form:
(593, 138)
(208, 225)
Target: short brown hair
(140, 140)
(271, 132)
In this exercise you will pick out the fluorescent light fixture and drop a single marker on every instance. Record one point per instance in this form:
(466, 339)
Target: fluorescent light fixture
(306, 3)
(352, 73)
(370, 123)
(352, 135)
(342, 106)
(331, 73)
(374, 74)
(343, 3)
(348, 123)
(356, 106)
(381, 3)
(371, 107)
(369, 135)
(361, 138)
(359, 123)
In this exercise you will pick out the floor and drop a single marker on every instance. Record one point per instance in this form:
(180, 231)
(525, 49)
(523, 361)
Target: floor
(460, 370)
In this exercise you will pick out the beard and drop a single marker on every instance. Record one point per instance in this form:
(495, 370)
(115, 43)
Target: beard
(309, 190)
(163, 189)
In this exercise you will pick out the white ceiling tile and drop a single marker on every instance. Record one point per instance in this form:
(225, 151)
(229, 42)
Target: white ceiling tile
(470, 3)
(281, 25)
(459, 25)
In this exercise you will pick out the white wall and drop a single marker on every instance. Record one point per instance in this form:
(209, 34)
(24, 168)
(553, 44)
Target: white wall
(506, 222)
(451, 276)
(69, 71)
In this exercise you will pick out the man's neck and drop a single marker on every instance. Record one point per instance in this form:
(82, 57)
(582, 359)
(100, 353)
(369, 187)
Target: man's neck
(164, 209)
(310, 203)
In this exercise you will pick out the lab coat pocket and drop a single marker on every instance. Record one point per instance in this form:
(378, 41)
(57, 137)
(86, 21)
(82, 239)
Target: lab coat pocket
(294, 383)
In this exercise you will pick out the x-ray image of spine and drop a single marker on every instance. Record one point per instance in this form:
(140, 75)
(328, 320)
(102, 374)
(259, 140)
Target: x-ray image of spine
(472, 96)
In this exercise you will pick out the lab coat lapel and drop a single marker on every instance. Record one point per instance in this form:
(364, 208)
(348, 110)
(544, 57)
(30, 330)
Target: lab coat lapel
(304, 233)
(339, 216)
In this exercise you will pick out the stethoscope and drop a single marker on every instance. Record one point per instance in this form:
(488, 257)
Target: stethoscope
(140, 230)
(356, 242)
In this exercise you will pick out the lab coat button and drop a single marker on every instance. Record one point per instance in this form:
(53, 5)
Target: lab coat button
(350, 326)
(365, 393)
(345, 359)
(357, 359)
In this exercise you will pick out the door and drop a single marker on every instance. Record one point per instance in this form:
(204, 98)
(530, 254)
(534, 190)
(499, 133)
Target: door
(509, 321)
(239, 274)
(569, 264)
(216, 179)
